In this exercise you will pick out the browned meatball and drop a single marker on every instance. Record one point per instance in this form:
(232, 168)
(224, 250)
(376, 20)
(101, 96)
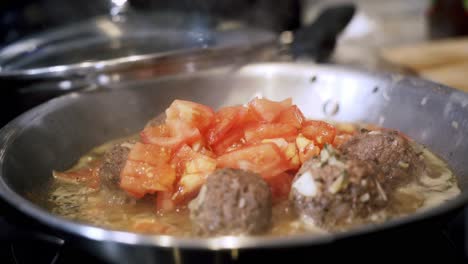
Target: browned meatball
(113, 163)
(109, 173)
(337, 193)
(392, 153)
(232, 202)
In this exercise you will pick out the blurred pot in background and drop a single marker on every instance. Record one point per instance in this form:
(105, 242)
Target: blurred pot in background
(25, 17)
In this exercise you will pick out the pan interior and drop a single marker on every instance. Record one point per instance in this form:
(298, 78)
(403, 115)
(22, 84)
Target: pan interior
(56, 134)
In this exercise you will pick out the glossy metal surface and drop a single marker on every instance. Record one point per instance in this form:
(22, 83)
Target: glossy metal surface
(125, 41)
(56, 134)
(106, 44)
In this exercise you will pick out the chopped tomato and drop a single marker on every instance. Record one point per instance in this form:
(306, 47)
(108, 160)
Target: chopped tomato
(187, 161)
(193, 114)
(179, 133)
(231, 141)
(164, 202)
(188, 187)
(192, 169)
(207, 152)
(224, 120)
(280, 185)
(139, 178)
(186, 133)
(289, 151)
(198, 145)
(263, 131)
(201, 147)
(199, 164)
(248, 116)
(319, 131)
(291, 116)
(269, 110)
(151, 154)
(88, 175)
(266, 137)
(293, 157)
(265, 159)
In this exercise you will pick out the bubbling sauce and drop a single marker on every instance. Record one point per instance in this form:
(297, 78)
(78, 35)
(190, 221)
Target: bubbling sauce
(88, 205)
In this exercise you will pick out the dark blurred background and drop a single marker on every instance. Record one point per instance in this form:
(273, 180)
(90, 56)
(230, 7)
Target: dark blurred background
(24, 17)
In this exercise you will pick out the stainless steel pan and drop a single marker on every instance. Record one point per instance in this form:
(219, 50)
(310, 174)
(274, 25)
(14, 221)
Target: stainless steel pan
(55, 134)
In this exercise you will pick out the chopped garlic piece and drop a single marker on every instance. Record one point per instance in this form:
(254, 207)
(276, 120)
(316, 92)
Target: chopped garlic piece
(365, 197)
(302, 142)
(324, 155)
(290, 151)
(197, 146)
(337, 185)
(402, 164)
(305, 185)
(375, 132)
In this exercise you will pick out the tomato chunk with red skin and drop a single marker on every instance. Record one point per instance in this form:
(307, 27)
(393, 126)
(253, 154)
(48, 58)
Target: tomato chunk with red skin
(193, 114)
(224, 120)
(248, 116)
(292, 116)
(179, 134)
(269, 110)
(151, 154)
(309, 152)
(265, 159)
(140, 178)
(264, 131)
(192, 169)
(231, 141)
(319, 131)
(188, 187)
(88, 175)
(186, 160)
(180, 157)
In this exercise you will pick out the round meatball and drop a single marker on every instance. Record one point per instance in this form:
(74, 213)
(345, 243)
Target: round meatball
(392, 153)
(232, 202)
(337, 193)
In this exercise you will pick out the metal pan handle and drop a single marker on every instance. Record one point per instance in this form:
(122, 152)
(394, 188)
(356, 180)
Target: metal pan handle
(318, 39)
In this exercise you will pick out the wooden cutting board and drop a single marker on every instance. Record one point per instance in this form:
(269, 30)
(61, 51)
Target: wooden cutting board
(444, 61)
